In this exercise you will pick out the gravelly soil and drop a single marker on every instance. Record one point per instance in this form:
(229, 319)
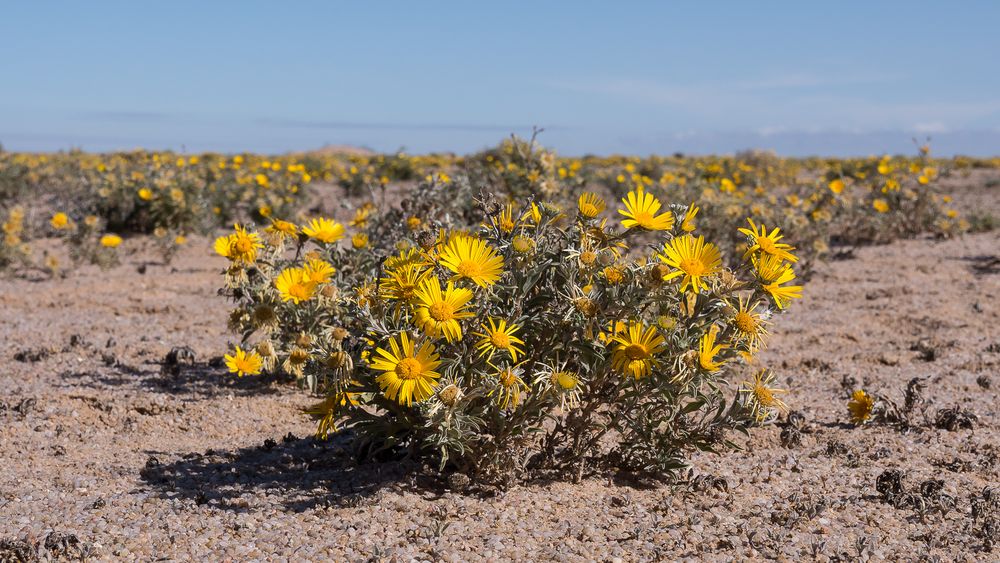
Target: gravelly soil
(102, 444)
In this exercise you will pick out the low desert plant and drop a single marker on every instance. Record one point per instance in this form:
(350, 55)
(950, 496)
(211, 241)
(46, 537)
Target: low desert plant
(541, 339)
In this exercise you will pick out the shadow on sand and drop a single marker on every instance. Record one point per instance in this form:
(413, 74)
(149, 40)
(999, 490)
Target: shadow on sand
(297, 473)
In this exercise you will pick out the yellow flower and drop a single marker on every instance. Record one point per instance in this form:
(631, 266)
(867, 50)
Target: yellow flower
(241, 246)
(772, 273)
(244, 363)
(505, 219)
(324, 230)
(472, 259)
(293, 285)
(693, 259)
(640, 210)
(180, 240)
(761, 240)
(359, 240)
(687, 225)
(614, 274)
(760, 398)
(750, 326)
(59, 221)
(283, 228)
(328, 410)
(635, 350)
(437, 312)
(522, 244)
(361, 215)
(880, 205)
(111, 240)
(509, 388)
(836, 186)
(499, 336)
(707, 350)
(401, 282)
(860, 406)
(413, 223)
(407, 376)
(318, 271)
(145, 194)
(262, 180)
(590, 204)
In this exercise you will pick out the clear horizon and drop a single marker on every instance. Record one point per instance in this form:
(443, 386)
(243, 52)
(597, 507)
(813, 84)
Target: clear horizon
(636, 78)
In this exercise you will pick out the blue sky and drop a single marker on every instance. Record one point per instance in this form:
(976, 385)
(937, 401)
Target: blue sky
(623, 77)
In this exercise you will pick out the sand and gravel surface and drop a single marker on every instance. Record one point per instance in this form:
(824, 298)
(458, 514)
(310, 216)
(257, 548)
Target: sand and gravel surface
(110, 452)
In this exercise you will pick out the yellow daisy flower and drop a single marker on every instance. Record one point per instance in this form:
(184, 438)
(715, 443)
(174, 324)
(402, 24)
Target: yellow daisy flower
(111, 241)
(509, 387)
(401, 283)
(499, 336)
(687, 225)
(438, 312)
(635, 350)
(760, 398)
(241, 246)
(284, 228)
(244, 363)
(762, 241)
(773, 272)
(318, 271)
(472, 259)
(691, 258)
(749, 324)
(59, 221)
(640, 210)
(707, 350)
(408, 375)
(590, 204)
(294, 285)
(324, 230)
(860, 406)
(505, 219)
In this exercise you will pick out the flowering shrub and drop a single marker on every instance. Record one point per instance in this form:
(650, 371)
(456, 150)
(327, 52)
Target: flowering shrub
(538, 340)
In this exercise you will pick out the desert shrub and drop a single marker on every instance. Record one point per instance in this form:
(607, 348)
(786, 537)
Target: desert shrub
(880, 200)
(543, 339)
(13, 248)
(517, 169)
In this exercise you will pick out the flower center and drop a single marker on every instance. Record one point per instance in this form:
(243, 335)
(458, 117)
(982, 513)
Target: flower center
(766, 244)
(564, 379)
(745, 322)
(469, 268)
(693, 266)
(500, 340)
(636, 352)
(408, 368)
(441, 311)
(243, 245)
(764, 396)
(588, 257)
(522, 244)
(298, 357)
(507, 378)
(299, 290)
(644, 218)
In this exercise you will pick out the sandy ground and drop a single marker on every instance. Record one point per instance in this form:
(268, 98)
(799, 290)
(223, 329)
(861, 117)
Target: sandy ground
(104, 452)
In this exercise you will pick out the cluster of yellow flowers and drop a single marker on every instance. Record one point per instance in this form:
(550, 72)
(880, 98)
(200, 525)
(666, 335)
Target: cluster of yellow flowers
(848, 200)
(469, 336)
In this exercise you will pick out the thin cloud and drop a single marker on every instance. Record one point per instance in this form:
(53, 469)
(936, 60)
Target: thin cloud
(389, 126)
